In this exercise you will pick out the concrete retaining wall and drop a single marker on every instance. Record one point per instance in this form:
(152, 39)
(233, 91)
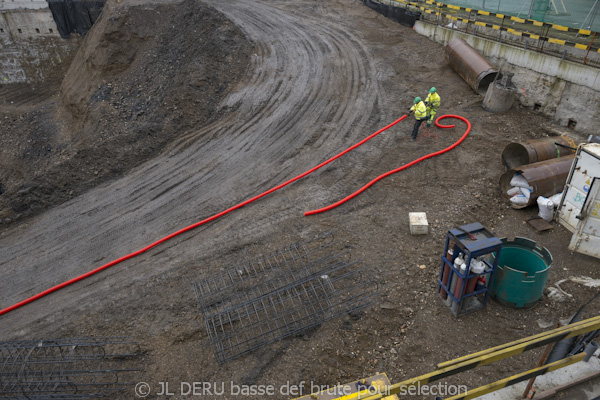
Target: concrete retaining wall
(553, 49)
(31, 49)
(564, 90)
(27, 24)
(23, 4)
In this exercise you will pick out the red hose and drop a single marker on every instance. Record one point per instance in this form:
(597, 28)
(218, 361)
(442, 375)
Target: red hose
(418, 160)
(197, 224)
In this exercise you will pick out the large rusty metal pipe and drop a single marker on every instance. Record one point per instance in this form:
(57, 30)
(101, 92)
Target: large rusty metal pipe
(531, 151)
(470, 65)
(545, 177)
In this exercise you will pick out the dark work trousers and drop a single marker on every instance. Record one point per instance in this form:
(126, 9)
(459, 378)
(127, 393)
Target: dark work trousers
(418, 123)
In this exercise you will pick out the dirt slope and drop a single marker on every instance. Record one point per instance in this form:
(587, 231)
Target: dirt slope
(322, 76)
(144, 75)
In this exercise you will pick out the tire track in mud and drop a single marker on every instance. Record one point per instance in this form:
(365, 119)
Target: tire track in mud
(309, 72)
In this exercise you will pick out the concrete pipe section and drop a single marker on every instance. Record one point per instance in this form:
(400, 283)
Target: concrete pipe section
(470, 65)
(500, 95)
(546, 178)
(531, 151)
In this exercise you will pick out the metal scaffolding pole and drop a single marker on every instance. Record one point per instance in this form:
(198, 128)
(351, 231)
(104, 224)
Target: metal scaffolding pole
(591, 16)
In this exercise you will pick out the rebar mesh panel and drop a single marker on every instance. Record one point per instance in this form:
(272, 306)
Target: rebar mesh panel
(282, 294)
(84, 368)
(244, 276)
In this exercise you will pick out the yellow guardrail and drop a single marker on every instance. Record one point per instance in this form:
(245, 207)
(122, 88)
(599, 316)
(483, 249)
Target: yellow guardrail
(485, 357)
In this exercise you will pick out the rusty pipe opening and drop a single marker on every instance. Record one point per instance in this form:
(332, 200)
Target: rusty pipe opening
(470, 65)
(546, 178)
(531, 151)
(486, 80)
(517, 154)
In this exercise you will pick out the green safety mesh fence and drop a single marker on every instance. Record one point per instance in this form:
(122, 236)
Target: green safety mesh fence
(580, 14)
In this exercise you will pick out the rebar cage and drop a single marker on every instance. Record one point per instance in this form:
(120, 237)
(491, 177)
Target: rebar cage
(282, 294)
(82, 368)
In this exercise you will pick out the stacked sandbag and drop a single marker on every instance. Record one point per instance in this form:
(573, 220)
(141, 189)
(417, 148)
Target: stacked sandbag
(546, 208)
(547, 205)
(520, 191)
(544, 178)
(556, 199)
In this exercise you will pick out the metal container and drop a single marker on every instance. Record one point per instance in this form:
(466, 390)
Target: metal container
(470, 65)
(545, 177)
(579, 208)
(531, 151)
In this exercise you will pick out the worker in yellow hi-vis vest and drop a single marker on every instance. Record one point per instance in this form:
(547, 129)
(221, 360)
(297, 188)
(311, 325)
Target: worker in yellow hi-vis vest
(433, 103)
(420, 111)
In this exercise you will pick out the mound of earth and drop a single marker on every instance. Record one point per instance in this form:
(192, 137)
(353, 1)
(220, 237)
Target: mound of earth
(143, 75)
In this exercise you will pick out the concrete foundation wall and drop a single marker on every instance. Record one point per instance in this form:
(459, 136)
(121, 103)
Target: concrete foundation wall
(566, 91)
(551, 49)
(27, 24)
(23, 4)
(31, 49)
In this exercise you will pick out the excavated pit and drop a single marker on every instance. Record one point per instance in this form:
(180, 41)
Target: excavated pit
(174, 111)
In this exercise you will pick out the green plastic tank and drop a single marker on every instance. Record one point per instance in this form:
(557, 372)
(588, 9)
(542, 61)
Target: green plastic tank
(522, 272)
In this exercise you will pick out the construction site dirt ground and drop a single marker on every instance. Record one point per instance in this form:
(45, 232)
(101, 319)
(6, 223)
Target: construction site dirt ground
(174, 111)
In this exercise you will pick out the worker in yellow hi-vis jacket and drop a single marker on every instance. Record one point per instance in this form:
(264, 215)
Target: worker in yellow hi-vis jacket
(433, 103)
(420, 111)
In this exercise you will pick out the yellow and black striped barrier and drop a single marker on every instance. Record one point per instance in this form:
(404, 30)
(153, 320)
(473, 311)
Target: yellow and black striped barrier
(515, 19)
(502, 28)
(485, 357)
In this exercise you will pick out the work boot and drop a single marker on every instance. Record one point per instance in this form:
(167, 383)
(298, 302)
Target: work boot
(429, 124)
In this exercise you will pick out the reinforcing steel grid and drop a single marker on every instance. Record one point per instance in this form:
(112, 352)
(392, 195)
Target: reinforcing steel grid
(282, 294)
(81, 368)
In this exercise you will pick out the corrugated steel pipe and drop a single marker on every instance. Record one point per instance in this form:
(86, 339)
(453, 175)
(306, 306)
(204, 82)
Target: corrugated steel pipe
(545, 177)
(470, 65)
(531, 151)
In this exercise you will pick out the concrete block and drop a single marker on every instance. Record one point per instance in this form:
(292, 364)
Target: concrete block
(418, 223)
